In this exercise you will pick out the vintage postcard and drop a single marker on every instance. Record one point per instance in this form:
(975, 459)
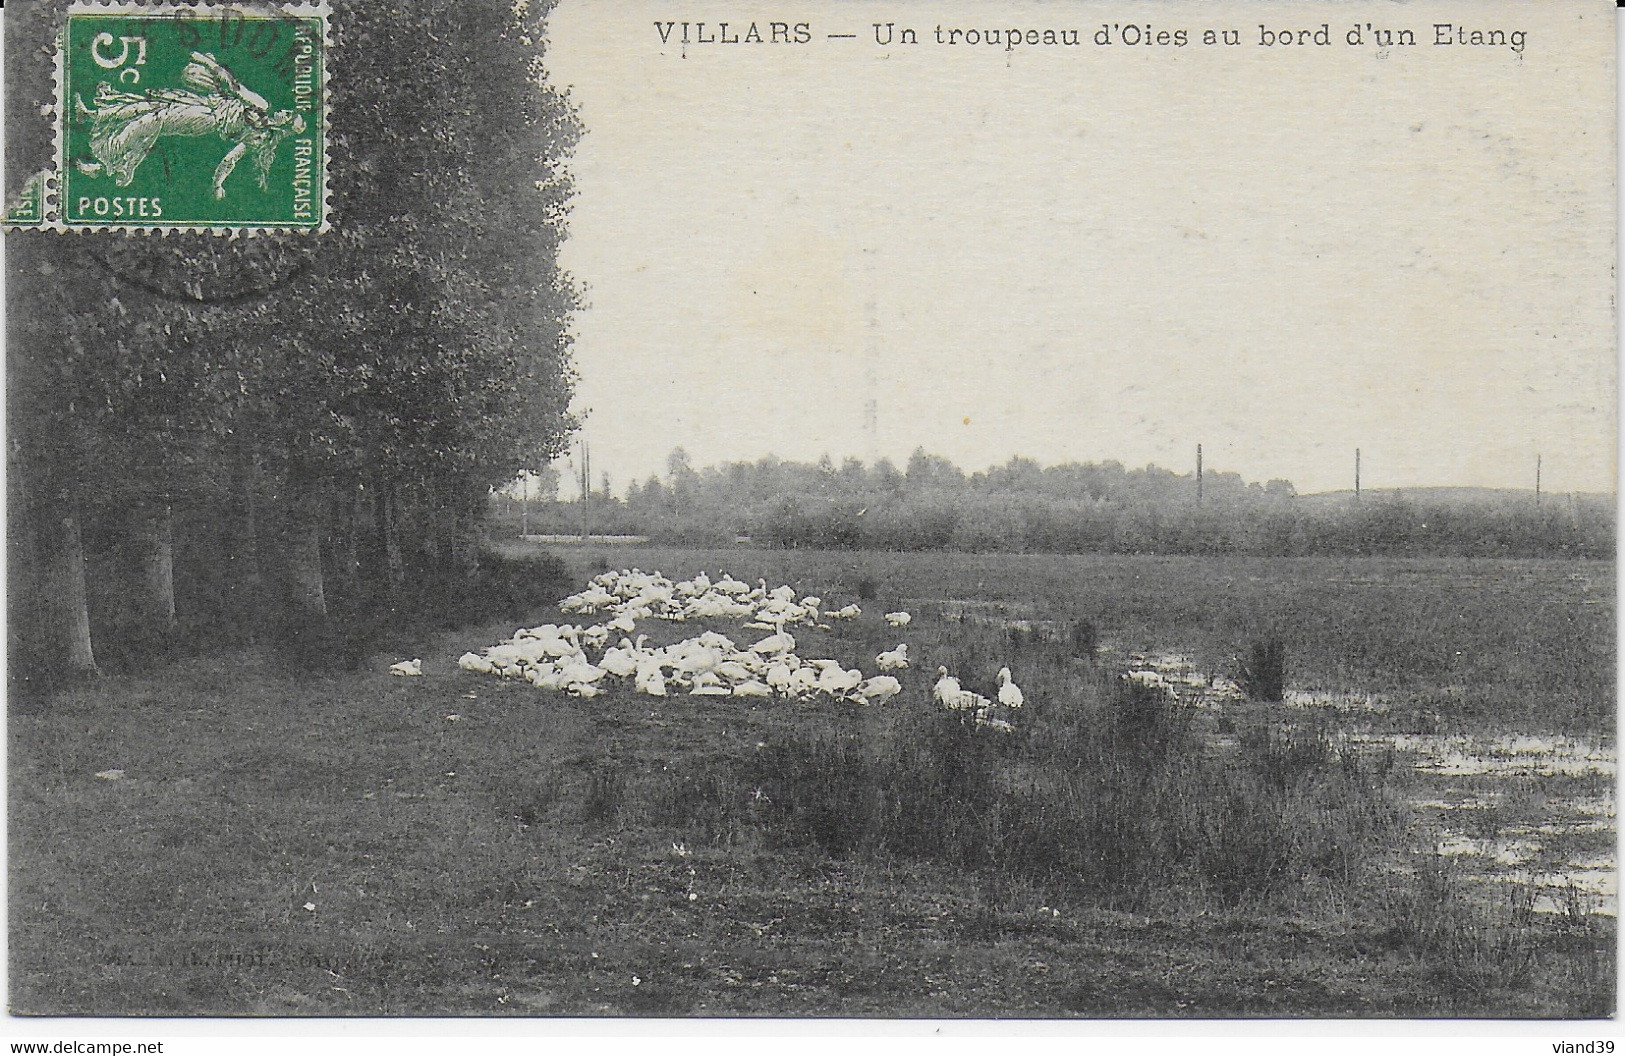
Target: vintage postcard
(1014, 516)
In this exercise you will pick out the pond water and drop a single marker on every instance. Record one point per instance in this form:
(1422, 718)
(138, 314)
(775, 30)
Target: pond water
(1520, 819)
(1507, 755)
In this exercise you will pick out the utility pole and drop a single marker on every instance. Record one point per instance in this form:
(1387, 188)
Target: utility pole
(871, 360)
(1356, 474)
(524, 505)
(586, 490)
(1537, 480)
(1198, 474)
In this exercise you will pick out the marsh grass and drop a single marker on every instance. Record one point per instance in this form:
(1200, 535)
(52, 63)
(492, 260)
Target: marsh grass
(1108, 796)
(1467, 945)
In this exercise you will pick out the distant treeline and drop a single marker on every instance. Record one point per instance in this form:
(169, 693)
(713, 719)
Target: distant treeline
(932, 504)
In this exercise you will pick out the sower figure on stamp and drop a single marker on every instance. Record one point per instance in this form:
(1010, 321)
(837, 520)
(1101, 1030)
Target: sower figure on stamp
(125, 125)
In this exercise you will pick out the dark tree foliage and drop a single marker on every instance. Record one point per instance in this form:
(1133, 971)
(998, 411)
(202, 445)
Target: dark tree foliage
(1074, 508)
(299, 405)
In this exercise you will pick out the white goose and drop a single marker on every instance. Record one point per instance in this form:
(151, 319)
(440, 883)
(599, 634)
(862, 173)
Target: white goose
(1010, 694)
(577, 670)
(733, 671)
(547, 676)
(777, 644)
(837, 682)
(708, 684)
(880, 689)
(622, 661)
(965, 700)
(779, 675)
(650, 680)
(894, 659)
(803, 682)
(476, 663)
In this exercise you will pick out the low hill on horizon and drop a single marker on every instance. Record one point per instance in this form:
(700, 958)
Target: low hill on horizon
(1455, 496)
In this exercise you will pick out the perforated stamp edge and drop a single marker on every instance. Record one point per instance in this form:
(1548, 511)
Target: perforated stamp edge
(51, 221)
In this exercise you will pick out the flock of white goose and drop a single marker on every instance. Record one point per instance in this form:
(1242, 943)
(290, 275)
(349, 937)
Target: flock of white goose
(559, 657)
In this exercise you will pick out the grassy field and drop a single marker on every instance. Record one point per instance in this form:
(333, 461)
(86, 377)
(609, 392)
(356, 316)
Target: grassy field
(1526, 644)
(365, 845)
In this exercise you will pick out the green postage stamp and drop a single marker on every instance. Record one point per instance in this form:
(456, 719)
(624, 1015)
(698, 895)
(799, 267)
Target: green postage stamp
(192, 117)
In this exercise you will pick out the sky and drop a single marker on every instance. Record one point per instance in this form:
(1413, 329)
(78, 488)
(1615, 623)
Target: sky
(1098, 252)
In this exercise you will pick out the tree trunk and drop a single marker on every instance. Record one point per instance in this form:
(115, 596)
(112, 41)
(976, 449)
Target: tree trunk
(67, 583)
(302, 552)
(30, 646)
(244, 562)
(158, 539)
(389, 540)
(383, 570)
(354, 515)
(432, 539)
(467, 532)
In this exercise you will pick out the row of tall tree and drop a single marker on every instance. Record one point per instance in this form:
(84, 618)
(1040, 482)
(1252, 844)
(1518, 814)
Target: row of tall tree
(246, 432)
(1072, 508)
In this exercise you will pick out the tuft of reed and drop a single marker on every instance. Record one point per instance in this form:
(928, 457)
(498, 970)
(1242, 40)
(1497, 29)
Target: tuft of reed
(1467, 944)
(1262, 673)
(1085, 640)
